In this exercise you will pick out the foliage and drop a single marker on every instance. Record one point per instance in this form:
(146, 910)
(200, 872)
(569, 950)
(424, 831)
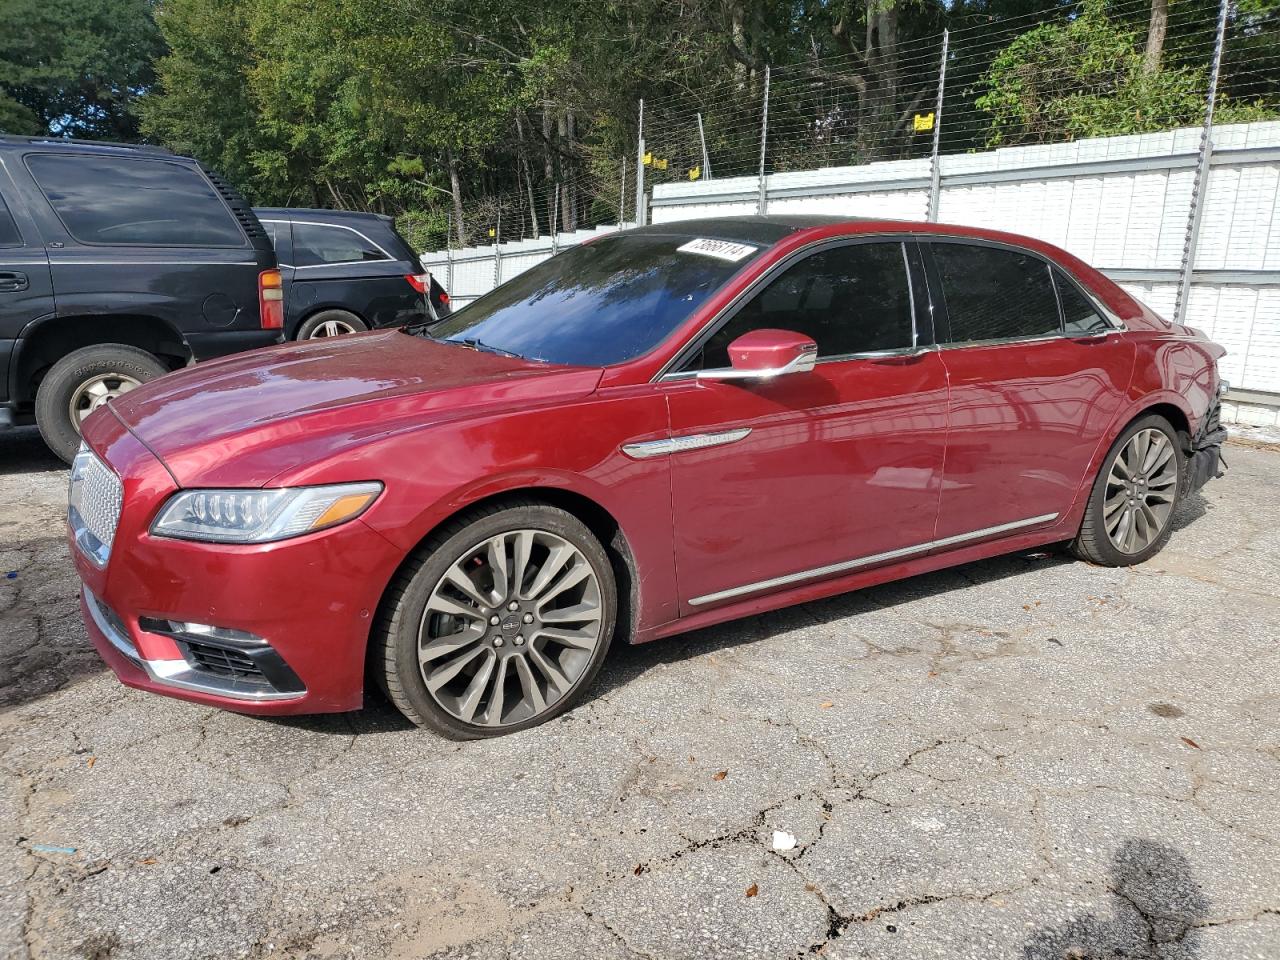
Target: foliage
(75, 67)
(1085, 78)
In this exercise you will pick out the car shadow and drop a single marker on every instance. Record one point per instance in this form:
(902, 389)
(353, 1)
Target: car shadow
(23, 450)
(1159, 909)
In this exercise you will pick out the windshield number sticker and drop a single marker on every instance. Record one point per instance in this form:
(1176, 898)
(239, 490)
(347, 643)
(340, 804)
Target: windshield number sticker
(720, 249)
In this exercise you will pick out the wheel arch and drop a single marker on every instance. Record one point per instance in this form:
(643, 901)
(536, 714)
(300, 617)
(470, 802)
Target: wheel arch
(44, 342)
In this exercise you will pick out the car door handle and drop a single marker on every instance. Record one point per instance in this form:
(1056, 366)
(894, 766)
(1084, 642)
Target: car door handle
(11, 282)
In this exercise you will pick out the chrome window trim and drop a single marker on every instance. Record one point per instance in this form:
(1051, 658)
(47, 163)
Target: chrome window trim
(847, 240)
(866, 561)
(178, 673)
(336, 226)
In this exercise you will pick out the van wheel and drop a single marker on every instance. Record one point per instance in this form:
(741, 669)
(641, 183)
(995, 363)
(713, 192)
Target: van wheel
(1130, 511)
(83, 381)
(330, 323)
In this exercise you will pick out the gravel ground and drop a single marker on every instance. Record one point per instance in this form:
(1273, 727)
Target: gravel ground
(1026, 758)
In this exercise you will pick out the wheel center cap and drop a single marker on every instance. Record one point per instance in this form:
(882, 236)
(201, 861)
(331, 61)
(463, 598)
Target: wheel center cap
(511, 623)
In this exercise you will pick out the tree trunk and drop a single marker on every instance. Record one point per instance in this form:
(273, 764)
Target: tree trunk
(548, 168)
(455, 186)
(528, 174)
(1155, 35)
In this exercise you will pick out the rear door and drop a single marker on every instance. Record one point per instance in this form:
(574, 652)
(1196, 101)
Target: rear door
(336, 265)
(1031, 395)
(811, 475)
(26, 286)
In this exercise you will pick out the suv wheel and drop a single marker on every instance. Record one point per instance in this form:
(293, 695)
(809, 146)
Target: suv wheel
(330, 323)
(83, 381)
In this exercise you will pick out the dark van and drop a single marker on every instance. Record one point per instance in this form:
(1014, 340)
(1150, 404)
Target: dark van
(118, 264)
(346, 271)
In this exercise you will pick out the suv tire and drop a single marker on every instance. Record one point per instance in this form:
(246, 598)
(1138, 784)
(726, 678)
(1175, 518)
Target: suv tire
(88, 377)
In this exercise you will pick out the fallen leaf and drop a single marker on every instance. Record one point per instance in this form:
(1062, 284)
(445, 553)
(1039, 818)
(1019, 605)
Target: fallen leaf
(753, 890)
(1026, 606)
(811, 887)
(92, 761)
(1190, 743)
(826, 705)
(692, 758)
(147, 862)
(933, 673)
(720, 776)
(639, 869)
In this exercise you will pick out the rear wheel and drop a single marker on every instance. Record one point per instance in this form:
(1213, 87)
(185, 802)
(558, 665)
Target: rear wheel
(330, 323)
(500, 623)
(83, 381)
(1131, 506)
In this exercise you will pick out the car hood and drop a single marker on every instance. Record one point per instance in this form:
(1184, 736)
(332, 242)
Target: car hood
(246, 419)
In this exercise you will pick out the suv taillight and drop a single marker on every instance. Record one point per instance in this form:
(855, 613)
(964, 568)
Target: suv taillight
(271, 300)
(419, 281)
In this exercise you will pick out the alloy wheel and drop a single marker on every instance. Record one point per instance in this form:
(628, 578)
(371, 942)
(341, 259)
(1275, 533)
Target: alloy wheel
(510, 628)
(96, 391)
(331, 328)
(1142, 488)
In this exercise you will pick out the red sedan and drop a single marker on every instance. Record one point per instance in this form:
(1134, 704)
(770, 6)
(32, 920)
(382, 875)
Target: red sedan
(656, 431)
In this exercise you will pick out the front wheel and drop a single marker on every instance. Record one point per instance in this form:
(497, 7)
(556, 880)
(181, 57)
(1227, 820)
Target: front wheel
(1130, 511)
(500, 622)
(82, 382)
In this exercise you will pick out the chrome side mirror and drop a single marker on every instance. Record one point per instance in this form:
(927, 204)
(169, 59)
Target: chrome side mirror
(765, 354)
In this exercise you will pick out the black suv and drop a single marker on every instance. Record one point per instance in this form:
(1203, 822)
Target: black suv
(345, 272)
(118, 264)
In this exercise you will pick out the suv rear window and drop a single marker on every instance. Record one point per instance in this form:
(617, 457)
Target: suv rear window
(318, 243)
(120, 200)
(9, 236)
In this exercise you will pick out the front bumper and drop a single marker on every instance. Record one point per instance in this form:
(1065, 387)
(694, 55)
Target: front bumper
(292, 618)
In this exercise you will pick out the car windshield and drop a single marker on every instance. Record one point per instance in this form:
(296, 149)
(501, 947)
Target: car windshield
(600, 303)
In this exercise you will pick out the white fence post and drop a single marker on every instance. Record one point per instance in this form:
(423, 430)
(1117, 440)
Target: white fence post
(762, 202)
(935, 168)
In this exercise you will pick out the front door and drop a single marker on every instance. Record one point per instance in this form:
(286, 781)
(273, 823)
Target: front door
(784, 482)
(1036, 376)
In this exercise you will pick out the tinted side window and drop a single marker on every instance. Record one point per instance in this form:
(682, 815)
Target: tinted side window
(995, 294)
(134, 201)
(9, 236)
(1078, 314)
(850, 299)
(316, 243)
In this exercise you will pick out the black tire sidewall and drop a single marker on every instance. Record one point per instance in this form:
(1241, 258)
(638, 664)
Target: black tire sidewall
(402, 643)
(307, 326)
(54, 394)
(1102, 545)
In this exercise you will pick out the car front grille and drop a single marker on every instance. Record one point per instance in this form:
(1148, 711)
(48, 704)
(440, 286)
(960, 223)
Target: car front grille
(94, 500)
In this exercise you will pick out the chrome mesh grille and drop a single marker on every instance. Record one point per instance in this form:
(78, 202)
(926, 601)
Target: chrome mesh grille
(95, 498)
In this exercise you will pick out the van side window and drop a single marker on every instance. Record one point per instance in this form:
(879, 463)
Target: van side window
(850, 299)
(995, 294)
(126, 200)
(317, 243)
(9, 236)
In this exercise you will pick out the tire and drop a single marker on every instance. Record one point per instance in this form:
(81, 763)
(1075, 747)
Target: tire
(1103, 531)
(496, 657)
(113, 367)
(330, 323)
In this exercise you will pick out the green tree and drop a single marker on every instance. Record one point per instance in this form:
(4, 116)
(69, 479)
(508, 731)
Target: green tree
(75, 67)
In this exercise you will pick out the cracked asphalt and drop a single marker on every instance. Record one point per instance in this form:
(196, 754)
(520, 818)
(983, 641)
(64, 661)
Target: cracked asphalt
(1025, 758)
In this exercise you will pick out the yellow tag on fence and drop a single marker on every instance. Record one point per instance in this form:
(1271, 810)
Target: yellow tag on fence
(922, 121)
(648, 158)
(695, 173)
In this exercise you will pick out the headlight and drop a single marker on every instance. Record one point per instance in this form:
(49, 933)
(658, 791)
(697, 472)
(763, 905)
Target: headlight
(260, 516)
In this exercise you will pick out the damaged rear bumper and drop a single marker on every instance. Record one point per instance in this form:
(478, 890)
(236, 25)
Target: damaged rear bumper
(1204, 458)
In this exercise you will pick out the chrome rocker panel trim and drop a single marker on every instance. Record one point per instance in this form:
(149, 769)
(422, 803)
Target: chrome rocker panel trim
(876, 558)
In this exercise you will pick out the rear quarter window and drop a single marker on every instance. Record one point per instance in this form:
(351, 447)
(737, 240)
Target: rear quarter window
(315, 244)
(134, 201)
